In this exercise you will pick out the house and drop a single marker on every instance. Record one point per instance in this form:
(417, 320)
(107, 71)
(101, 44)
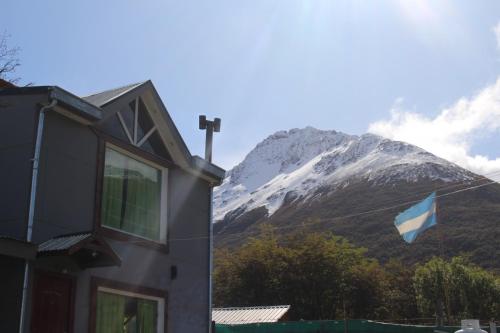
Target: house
(250, 315)
(105, 215)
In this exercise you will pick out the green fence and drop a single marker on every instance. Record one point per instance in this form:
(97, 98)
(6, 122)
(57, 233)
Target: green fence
(332, 326)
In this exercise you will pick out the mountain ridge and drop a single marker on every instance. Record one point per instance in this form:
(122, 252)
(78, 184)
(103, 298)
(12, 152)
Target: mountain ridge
(307, 180)
(302, 160)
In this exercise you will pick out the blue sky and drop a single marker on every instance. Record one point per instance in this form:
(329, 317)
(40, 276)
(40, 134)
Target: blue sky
(396, 68)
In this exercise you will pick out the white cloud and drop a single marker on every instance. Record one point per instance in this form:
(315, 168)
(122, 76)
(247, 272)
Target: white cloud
(452, 133)
(496, 30)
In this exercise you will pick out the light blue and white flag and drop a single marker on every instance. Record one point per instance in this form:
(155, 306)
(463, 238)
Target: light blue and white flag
(417, 218)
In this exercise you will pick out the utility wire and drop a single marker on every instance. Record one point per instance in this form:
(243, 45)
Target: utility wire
(368, 212)
(330, 220)
(421, 193)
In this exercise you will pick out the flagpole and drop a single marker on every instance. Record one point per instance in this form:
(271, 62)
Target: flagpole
(445, 280)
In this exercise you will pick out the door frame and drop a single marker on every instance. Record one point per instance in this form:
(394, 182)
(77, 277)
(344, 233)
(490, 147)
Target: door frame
(72, 293)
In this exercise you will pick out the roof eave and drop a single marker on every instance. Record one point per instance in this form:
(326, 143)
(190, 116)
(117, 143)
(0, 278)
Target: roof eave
(76, 106)
(215, 173)
(82, 108)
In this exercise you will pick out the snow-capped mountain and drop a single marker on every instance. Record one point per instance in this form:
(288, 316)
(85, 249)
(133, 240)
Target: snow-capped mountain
(296, 164)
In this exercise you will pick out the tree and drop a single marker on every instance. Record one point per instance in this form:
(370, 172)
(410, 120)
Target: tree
(464, 289)
(400, 297)
(9, 60)
(318, 274)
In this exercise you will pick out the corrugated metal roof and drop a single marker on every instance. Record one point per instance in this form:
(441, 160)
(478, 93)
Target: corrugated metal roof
(62, 243)
(247, 315)
(103, 97)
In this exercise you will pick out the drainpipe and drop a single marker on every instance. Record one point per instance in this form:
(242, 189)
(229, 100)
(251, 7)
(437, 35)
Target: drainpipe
(210, 259)
(31, 211)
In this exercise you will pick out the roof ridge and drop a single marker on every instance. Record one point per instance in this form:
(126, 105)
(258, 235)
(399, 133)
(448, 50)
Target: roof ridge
(116, 88)
(106, 96)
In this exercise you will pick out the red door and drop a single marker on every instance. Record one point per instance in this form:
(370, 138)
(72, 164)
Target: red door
(52, 304)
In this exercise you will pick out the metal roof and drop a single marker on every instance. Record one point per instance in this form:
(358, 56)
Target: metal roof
(248, 315)
(104, 97)
(62, 243)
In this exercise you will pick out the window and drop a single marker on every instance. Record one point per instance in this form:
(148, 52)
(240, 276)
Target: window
(120, 311)
(133, 198)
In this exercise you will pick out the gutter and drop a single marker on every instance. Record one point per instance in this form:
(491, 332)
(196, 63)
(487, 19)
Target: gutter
(31, 211)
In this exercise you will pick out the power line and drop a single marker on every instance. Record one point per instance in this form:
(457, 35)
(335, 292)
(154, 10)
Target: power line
(368, 212)
(421, 193)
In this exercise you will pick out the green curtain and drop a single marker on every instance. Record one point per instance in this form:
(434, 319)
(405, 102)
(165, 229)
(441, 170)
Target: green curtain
(110, 313)
(146, 315)
(112, 200)
(141, 214)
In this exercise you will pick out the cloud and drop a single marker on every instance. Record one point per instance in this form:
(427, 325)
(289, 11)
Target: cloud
(453, 132)
(496, 31)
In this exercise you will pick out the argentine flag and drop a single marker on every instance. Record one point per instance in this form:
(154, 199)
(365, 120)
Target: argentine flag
(416, 219)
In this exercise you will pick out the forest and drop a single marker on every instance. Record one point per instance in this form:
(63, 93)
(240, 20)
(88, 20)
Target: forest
(323, 276)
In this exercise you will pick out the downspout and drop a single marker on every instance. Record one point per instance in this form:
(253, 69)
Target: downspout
(31, 211)
(210, 258)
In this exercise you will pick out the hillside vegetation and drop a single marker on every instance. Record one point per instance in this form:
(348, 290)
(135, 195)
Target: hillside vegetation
(323, 276)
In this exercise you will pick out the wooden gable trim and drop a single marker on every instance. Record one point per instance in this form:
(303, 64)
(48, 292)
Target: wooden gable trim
(173, 142)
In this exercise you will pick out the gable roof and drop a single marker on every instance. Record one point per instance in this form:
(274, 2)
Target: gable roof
(93, 109)
(171, 137)
(104, 97)
(249, 315)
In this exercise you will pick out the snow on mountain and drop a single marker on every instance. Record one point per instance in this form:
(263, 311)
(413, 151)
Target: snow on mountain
(294, 164)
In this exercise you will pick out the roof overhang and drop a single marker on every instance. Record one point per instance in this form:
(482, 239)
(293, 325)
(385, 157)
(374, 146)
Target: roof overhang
(207, 170)
(76, 107)
(68, 104)
(12, 247)
(83, 111)
(86, 250)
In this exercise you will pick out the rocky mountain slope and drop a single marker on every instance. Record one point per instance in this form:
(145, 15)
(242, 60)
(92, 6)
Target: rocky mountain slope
(309, 179)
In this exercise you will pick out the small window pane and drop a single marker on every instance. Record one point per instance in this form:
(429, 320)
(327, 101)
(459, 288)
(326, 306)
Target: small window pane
(155, 145)
(127, 113)
(118, 313)
(144, 121)
(131, 195)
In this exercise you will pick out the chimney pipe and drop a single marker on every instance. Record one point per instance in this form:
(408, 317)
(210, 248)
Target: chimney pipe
(210, 127)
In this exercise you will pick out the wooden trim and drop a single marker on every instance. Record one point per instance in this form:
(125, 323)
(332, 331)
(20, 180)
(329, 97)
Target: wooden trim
(116, 234)
(136, 119)
(129, 238)
(125, 129)
(137, 151)
(96, 282)
(101, 151)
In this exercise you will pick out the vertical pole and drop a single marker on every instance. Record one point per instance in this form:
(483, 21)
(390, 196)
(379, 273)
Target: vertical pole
(346, 327)
(445, 280)
(210, 261)
(208, 141)
(208, 157)
(210, 127)
(31, 209)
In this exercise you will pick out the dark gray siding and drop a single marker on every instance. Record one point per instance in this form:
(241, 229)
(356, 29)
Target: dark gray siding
(17, 127)
(11, 280)
(66, 184)
(188, 299)
(66, 204)
(187, 304)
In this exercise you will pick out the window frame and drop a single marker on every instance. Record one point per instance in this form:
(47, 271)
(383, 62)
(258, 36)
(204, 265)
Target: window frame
(130, 290)
(125, 235)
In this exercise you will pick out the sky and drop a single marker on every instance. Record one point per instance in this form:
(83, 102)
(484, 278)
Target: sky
(422, 71)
